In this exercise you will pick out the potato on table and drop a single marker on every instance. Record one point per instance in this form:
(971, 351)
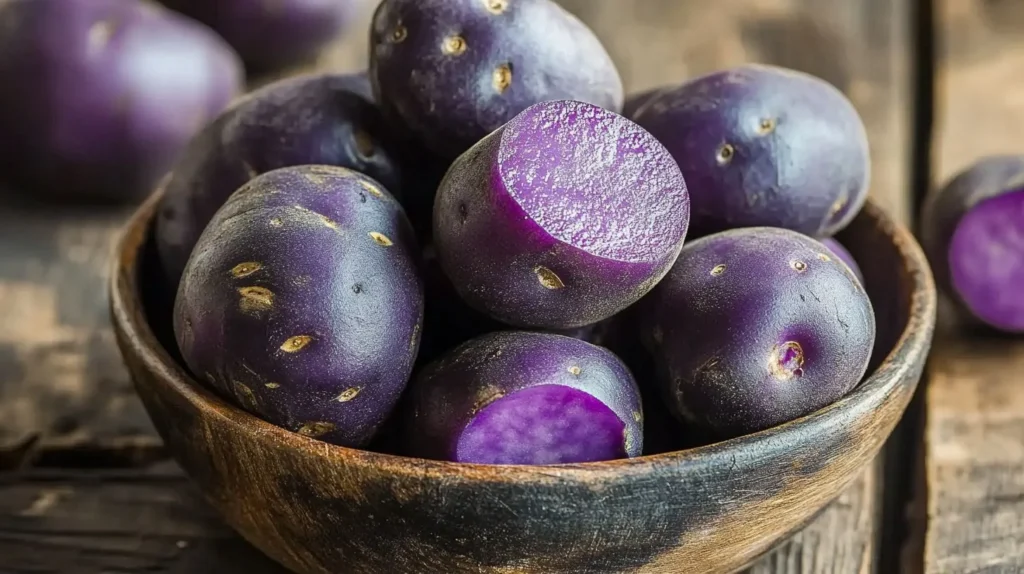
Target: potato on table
(764, 146)
(310, 119)
(303, 304)
(563, 217)
(98, 97)
(453, 71)
(755, 327)
(517, 397)
(973, 231)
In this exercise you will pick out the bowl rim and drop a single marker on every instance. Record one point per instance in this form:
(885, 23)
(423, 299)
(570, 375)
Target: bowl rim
(898, 365)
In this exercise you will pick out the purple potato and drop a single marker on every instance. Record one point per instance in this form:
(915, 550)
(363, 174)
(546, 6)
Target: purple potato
(274, 34)
(973, 232)
(636, 101)
(845, 256)
(453, 71)
(517, 397)
(302, 302)
(448, 321)
(764, 146)
(100, 96)
(561, 218)
(311, 119)
(755, 327)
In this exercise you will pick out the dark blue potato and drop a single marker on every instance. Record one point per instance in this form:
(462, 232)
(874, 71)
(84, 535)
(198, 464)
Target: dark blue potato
(314, 119)
(98, 97)
(302, 302)
(764, 146)
(845, 256)
(756, 327)
(973, 231)
(273, 34)
(516, 397)
(453, 71)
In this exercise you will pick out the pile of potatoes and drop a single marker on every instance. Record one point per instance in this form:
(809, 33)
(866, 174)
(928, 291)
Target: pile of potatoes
(482, 248)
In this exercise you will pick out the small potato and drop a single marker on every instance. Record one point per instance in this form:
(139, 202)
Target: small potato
(311, 119)
(563, 217)
(98, 97)
(453, 71)
(973, 232)
(764, 146)
(525, 398)
(302, 302)
(755, 327)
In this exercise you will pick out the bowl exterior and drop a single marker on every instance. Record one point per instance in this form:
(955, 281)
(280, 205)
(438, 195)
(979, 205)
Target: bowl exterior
(318, 508)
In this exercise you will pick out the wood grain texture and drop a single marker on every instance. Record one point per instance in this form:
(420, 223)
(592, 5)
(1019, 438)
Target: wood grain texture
(320, 508)
(970, 499)
(128, 522)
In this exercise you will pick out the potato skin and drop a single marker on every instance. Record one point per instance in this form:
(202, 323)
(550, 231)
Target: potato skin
(447, 395)
(987, 178)
(303, 304)
(561, 218)
(453, 71)
(755, 327)
(845, 256)
(273, 35)
(83, 116)
(310, 119)
(764, 146)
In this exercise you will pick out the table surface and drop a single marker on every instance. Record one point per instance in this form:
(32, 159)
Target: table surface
(88, 488)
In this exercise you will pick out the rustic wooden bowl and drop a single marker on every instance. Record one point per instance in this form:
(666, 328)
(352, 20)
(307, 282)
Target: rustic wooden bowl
(318, 508)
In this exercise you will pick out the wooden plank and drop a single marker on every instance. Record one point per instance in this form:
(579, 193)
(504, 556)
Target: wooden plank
(971, 493)
(98, 521)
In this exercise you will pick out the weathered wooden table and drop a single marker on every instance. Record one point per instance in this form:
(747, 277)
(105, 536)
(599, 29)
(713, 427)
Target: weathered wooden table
(86, 487)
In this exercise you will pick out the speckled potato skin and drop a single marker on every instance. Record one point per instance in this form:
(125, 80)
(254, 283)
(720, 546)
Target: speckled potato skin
(501, 258)
(83, 116)
(311, 119)
(764, 146)
(303, 304)
(989, 177)
(270, 35)
(446, 395)
(721, 326)
(453, 71)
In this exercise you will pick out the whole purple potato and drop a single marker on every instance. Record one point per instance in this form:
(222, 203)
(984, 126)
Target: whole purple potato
(274, 34)
(561, 218)
(845, 256)
(100, 96)
(517, 397)
(755, 327)
(764, 146)
(302, 302)
(453, 71)
(309, 119)
(973, 232)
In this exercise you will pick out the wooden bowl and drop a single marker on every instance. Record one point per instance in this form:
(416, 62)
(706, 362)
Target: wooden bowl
(316, 507)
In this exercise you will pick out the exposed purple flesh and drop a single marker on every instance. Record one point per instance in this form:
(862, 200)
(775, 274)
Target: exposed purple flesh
(547, 424)
(986, 260)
